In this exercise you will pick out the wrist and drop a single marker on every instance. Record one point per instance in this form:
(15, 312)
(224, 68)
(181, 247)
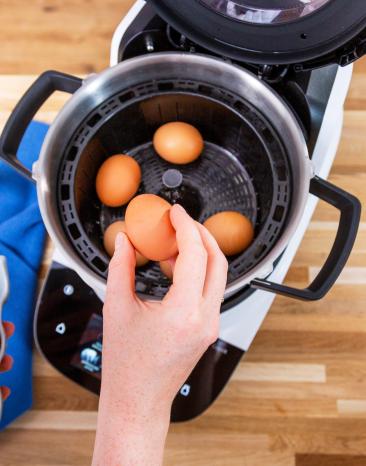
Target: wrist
(134, 404)
(130, 431)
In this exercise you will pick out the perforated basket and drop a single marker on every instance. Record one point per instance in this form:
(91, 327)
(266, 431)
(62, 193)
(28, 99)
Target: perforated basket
(243, 168)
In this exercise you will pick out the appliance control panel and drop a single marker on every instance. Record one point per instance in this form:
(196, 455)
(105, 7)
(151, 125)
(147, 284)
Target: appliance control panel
(69, 334)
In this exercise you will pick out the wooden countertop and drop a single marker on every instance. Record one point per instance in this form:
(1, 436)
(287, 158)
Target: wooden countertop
(299, 396)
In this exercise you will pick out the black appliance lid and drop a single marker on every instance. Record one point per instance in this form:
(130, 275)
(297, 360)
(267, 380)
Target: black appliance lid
(272, 32)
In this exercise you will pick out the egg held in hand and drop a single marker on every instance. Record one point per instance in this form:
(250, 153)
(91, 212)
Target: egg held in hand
(178, 142)
(149, 227)
(233, 231)
(118, 180)
(109, 241)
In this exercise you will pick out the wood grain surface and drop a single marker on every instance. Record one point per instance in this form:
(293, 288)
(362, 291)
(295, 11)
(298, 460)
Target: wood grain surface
(299, 397)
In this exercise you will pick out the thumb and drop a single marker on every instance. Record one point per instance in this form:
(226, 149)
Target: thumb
(121, 275)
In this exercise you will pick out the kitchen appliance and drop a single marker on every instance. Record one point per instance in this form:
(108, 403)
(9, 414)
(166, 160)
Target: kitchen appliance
(180, 70)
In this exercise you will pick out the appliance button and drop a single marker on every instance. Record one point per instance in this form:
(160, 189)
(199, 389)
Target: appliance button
(185, 390)
(60, 328)
(69, 290)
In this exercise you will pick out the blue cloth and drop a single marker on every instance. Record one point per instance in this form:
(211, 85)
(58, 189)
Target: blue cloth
(22, 237)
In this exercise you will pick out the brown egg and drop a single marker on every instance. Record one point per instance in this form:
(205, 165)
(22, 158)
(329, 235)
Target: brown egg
(233, 231)
(166, 268)
(178, 142)
(149, 227)
(110, 240)
(118, 180)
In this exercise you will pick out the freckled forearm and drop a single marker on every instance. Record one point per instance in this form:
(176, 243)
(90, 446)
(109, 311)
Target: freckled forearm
(130, 436)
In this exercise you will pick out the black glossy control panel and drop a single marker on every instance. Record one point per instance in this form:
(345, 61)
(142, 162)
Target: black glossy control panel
(69, 333)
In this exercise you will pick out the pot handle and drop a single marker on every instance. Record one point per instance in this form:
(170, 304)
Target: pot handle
(350, 209)
(47, 83)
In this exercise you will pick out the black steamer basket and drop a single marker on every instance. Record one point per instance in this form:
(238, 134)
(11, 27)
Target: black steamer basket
(243, 168)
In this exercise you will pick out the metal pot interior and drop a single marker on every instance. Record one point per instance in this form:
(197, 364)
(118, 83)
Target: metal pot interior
(244, 168)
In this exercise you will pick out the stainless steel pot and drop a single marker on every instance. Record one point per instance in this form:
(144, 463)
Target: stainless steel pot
(96, 90)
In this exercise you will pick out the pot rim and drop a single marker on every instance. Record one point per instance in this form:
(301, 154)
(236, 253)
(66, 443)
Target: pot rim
(283, 120)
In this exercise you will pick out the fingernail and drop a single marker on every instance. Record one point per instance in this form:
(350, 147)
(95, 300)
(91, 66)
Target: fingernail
(179, 207)
(119, 242)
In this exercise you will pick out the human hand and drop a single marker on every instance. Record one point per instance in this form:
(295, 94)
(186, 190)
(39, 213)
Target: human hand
(7, 362)
(150, 348)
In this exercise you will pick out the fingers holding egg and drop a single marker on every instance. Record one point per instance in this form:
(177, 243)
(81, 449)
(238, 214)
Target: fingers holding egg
(149, 227)
(109, 241)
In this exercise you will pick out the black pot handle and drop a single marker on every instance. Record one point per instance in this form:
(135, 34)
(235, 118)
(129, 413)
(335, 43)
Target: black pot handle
(350, 209)
(27, 107)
